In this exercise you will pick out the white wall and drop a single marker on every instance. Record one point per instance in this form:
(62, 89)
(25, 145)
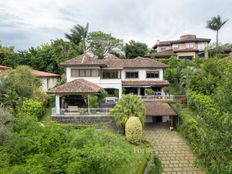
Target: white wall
(142, 74)
(165, 118)
(148, 119)
(48, 82)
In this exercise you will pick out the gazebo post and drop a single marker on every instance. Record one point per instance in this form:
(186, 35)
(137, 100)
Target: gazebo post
(88, 104)
(57, 104)
(171, 121)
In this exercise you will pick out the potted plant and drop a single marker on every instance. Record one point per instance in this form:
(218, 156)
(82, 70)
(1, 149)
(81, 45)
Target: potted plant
(82, 111)
(62, 111)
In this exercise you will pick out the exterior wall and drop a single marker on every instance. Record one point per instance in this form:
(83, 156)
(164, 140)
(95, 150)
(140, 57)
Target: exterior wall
(166, 48)
(99, 121)
(142, 74)
(48, 82)
(186, 54)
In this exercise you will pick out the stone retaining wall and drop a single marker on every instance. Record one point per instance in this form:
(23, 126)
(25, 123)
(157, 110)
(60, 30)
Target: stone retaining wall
(98, 121)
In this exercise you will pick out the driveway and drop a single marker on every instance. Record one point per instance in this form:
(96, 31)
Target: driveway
(174, 153)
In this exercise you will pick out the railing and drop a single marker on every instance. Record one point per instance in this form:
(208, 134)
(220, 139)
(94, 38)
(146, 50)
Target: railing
(158, 97)
(81, 111)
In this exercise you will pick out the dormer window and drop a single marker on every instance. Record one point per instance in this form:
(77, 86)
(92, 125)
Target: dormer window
(189, 45)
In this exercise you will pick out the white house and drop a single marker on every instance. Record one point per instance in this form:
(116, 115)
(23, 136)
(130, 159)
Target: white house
(87, 75)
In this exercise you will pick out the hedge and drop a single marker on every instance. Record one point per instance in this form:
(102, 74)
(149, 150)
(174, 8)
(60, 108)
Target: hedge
(208, 130)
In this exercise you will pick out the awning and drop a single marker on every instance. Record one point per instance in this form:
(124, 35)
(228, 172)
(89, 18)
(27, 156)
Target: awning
(77, 87)
(156, 109)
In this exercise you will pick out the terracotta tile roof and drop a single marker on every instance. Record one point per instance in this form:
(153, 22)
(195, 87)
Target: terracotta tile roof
(154, 108)
(4, 67)
(83, 60)
(37, 73)
(145, 82)
(3, 73)
(114, 62)
(166, 53)
(79, 86)
(183, 39)
(44, 74)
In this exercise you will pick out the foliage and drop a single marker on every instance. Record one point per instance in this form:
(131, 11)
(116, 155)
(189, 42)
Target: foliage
(56, 148)
(82, 111)
(134, 130)
(208, 130)
(134, 49)
(32, 108)
(102, 95)
(6, 124)
(101, 44)
(93, 101)
(18, 85)
(47, 57)
(215, 24)
(149, 91)
(128, 106)
(155, 166)
(40, 95)
(79, 35)
(8, 56)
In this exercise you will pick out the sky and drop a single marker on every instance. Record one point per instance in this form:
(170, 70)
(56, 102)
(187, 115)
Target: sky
(26, 23)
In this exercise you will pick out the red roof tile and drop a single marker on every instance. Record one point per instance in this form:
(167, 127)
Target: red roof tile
(114, 62)
(44, 74)
(79, 86)
(154, 108)
(4, 67)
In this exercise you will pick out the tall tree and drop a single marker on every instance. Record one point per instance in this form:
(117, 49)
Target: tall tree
(101, 43)
(215, 24)
(134, 49)
(79, 35)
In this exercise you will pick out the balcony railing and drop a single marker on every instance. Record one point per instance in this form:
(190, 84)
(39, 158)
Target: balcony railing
(158, 97)
(81, 111)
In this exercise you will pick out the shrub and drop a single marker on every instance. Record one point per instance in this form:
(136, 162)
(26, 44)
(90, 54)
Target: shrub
(127, 106)
(32, 108)
(149, 91)
(6, 124)
(93, 101)
(40, 95)
(134, 130)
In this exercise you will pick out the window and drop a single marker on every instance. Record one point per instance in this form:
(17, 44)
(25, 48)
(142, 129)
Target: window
(152, 74)
(84, 73)
(175, 46)
(132, 75)
(110, 75)
(162, 48)
(201, 46)
(189, 45)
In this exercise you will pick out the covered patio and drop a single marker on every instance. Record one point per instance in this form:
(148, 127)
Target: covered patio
(159, 113)
(72, 98)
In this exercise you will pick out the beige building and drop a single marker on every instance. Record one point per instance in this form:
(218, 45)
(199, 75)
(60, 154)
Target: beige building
(187, 47)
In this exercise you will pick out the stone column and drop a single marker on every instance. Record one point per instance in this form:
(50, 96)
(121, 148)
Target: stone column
(57, 105)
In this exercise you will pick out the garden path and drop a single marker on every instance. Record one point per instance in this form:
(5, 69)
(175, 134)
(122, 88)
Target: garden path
(172, 150)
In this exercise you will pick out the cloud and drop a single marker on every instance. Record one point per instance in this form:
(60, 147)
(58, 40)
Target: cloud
(31, 23)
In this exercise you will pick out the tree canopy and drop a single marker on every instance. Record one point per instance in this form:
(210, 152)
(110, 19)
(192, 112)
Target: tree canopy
(134, 49)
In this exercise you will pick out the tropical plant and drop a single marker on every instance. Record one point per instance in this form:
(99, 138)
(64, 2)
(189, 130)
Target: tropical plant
(134, 130)
(134, 49)
(128, 106)
(101, 44)
(93, 101)
(215, 24)
(79, 35)
(149, 91)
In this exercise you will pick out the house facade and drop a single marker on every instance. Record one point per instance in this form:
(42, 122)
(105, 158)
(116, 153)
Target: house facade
(187, 47)
(124, 75)
(86, 75)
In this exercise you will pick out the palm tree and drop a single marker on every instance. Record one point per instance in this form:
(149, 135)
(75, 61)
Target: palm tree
(216, 23)
(78, 36)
